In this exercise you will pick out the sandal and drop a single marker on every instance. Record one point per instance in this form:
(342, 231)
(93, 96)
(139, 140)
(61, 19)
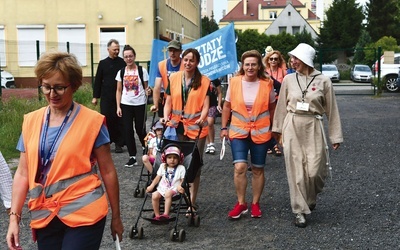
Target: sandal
(189, 212)
(269, 151)
(277, 151)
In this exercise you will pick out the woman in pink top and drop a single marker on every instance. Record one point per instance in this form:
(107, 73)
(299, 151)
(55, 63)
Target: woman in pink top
(275, 67)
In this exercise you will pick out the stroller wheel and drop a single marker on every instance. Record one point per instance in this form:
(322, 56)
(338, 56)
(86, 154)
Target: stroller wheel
(190, 220)
(172, 235)
(136, 193)
(182, 235)
(196, 221)
(132, 232)
(142, 192)
(140, 233)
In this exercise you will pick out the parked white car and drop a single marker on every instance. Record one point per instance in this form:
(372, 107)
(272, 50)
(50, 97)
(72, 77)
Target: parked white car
(389, 72)
(331, 71)
(7, 80)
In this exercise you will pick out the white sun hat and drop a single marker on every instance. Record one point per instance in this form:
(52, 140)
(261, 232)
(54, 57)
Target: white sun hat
(304, 53)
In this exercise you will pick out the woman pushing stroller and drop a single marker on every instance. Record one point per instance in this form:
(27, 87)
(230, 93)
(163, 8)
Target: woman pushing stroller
(170, 176)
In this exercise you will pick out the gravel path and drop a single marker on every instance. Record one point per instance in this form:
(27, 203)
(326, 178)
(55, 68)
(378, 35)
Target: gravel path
(359, 208)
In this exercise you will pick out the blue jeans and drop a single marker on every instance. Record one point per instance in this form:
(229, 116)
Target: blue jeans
(57, 235)
(258, 152)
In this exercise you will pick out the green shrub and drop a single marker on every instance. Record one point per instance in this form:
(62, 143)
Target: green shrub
(12, 113)
(344, 74)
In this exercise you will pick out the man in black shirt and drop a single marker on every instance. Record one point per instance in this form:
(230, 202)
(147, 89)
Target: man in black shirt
(105, 87)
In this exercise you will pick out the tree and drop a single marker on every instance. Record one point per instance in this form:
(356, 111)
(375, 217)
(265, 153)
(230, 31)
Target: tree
(386, 43)
(383, 19)
(208, 25)
(249, 40)
(361, 48)
(341, 29)
(284, 42)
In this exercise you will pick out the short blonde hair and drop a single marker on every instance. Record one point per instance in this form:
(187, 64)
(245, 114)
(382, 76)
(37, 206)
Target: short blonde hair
(56, 61)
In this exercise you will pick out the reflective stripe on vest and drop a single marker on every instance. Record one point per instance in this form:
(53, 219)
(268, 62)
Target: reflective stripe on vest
(193, 108)
(58, 186)
(66, 187)
(67, 209)
(250, 121)
(257, 124)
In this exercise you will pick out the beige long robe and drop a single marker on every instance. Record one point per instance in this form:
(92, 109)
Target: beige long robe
(302, 137)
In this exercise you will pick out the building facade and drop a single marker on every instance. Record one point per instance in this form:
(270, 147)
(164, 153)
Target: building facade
(29, 28)
(261, 14)
(207, 7)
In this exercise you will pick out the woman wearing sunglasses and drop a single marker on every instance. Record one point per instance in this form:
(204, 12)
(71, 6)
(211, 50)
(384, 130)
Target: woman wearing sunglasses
(275, 67)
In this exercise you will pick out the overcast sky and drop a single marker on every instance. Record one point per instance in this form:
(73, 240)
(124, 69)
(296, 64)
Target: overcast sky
(219, 5)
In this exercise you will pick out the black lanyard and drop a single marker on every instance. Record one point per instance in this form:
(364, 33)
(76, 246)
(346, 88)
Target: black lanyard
(304, 92)
(185, 91)
(45, 160)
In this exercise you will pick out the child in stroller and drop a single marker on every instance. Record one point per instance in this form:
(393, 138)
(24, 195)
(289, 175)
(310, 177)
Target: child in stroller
(170, 176)
(153, 146)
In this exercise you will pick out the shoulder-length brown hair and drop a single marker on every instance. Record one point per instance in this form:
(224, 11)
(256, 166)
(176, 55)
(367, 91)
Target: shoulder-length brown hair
(253, 53)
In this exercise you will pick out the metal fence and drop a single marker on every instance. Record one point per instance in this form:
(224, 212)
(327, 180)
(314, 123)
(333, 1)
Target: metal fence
(20, 57)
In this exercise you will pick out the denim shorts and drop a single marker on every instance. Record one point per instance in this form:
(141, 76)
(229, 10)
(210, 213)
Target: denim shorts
(258, 152)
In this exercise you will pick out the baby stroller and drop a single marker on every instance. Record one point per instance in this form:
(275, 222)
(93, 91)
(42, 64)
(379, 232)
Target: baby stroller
(181, 202)
(145, 176)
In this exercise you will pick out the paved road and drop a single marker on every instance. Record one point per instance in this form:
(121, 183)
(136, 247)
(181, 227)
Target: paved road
(359, 208)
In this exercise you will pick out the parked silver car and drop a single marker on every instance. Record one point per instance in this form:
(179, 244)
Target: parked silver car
(331, 71)
(360, 73)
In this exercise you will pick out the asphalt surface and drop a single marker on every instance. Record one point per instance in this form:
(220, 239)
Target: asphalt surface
(359, 208)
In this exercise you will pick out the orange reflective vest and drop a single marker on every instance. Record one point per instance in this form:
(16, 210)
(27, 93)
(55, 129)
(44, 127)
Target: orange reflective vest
(258, 123)
(162, 66)
(73, 190)
(193, 107)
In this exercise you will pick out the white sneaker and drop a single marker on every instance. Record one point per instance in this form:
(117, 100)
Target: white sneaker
(207, 149)
(211, 149)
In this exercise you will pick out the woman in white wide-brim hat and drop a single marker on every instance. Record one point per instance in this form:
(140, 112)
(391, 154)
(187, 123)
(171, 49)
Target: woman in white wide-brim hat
(304, 98)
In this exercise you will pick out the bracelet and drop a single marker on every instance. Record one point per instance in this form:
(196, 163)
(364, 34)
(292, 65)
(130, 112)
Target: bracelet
(225, 128)
(14, 213)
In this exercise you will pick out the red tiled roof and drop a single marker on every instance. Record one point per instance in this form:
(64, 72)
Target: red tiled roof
(236, 14)
(311, 15)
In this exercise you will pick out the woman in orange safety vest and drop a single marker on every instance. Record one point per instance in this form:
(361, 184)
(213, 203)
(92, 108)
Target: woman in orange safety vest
(250, 99)
(186, 106)
(60, 146)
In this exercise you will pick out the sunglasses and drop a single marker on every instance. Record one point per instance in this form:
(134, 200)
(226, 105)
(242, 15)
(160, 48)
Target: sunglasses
(274, 59)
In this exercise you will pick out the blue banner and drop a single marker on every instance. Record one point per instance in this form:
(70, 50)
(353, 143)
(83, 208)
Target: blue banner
(217, 51)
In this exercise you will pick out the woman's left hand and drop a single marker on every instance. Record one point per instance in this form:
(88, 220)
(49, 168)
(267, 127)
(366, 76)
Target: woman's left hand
(148, 91)
(219, 109)
(200, 122)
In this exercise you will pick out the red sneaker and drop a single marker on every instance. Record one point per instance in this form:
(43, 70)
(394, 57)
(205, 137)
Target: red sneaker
(238, 210)
(255, 210)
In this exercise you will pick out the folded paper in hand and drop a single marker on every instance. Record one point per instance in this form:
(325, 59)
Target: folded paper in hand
(222, 153)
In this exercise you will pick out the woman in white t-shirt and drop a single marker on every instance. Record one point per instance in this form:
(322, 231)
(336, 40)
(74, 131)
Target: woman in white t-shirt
(131, 98)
